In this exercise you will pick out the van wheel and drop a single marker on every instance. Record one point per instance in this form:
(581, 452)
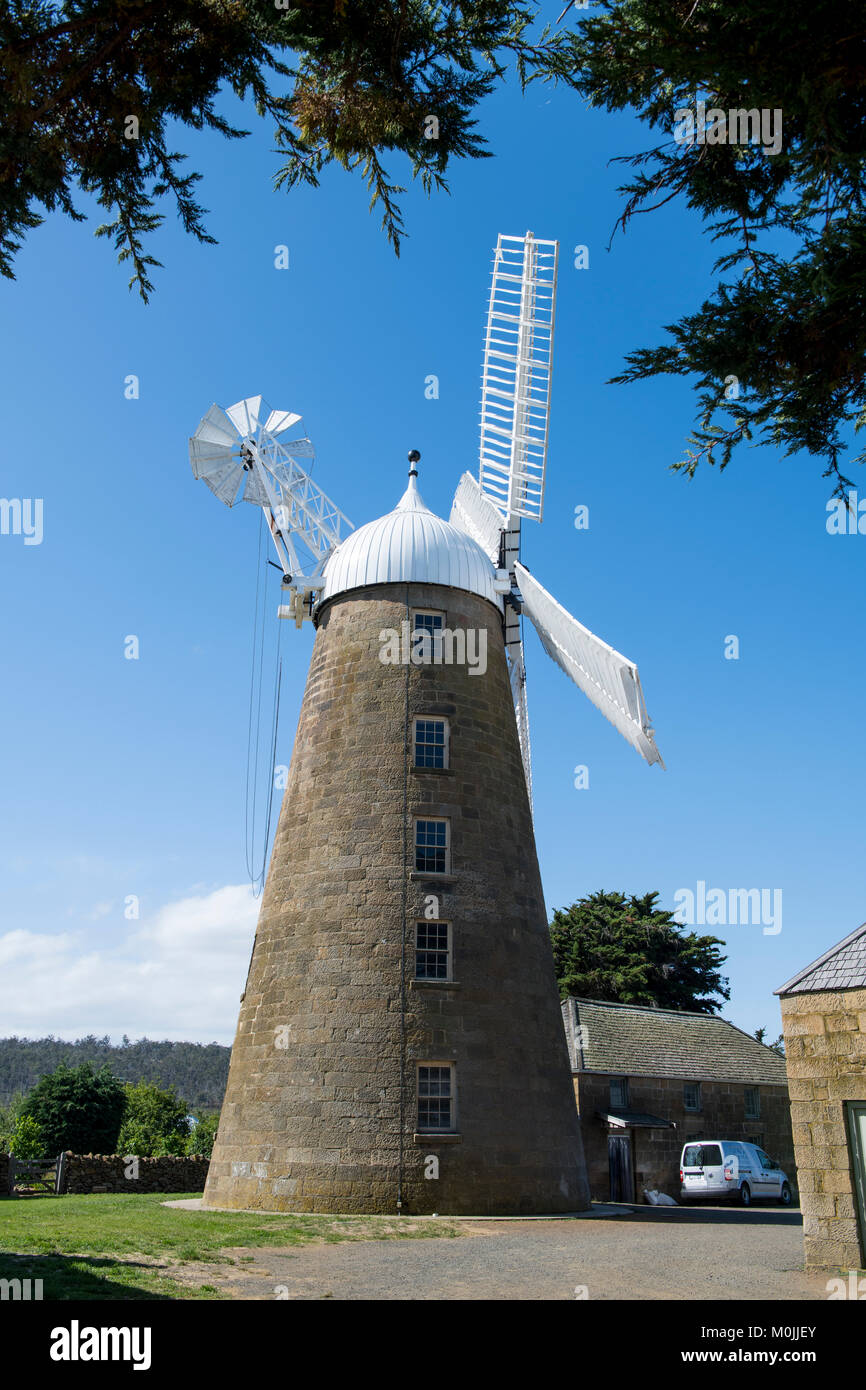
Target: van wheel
(785, 1195)
(745, 1195)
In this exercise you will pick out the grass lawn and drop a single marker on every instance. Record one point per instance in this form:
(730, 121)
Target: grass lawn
(130, 1247)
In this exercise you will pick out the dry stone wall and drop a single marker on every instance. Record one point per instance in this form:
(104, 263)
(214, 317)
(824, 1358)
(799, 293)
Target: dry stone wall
(125, 1173)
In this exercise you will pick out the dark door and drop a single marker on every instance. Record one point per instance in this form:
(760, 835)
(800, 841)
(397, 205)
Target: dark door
(619, 1161)
(857, 1134)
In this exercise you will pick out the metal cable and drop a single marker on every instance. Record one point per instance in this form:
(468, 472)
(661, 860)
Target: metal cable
(248, 847)
(275, 724)
(257, 875)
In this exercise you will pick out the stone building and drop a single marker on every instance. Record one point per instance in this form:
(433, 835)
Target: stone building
(400, 1045)
(824, 1022)
(649, 1080)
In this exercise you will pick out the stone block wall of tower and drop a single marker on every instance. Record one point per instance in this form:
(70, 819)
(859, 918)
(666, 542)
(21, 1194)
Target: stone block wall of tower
(321, 1108)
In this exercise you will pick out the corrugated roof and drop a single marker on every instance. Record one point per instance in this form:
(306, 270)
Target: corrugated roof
(410, 544)
(626, 1040)
(842, 967)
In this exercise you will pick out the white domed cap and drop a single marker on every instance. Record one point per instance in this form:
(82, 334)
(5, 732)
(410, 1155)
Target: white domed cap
(410, 545)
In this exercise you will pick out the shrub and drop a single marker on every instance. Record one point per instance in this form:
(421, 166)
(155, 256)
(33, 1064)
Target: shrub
(155, 1122)
(78, 1108)
(202, 1135)
(27, 1140)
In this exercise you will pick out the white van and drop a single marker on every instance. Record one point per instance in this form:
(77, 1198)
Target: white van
(729, 1168)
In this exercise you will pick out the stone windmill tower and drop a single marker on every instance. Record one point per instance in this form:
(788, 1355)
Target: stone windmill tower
(400, 1043)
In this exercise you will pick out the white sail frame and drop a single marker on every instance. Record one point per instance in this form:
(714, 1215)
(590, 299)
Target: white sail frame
(516, 373)
(241, 444)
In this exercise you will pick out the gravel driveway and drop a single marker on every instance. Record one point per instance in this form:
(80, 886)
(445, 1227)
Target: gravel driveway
(648, 1253)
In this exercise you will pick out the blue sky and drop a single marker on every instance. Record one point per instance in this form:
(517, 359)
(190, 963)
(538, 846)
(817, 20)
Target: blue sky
(125, 778)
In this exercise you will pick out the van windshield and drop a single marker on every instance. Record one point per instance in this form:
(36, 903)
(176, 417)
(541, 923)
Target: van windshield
(702, 1156)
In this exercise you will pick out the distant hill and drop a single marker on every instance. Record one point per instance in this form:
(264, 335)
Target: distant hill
(198, 1071)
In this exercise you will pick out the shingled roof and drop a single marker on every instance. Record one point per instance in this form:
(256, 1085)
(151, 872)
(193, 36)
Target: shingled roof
(627, 1040)
(842, 967)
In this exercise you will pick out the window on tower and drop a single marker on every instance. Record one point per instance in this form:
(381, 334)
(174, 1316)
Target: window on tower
(436, 1098)
(427, 629)
(426, 620)
(432, 849)
(432, 951)
(431, 742)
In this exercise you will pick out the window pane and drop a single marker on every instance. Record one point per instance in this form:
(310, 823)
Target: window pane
(430, 743)
(431, 951)
(619, 1093)
(430, 846)
(434, 1098)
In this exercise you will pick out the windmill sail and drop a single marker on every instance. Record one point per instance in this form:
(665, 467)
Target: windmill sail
(515, 389)
(240, 454)
(477, 516)
(607, 678)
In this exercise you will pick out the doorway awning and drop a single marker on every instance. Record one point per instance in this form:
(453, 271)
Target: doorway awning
(633, 1119)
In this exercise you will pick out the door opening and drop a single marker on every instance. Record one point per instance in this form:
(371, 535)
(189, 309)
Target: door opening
(857, 1143)
(619, 1158)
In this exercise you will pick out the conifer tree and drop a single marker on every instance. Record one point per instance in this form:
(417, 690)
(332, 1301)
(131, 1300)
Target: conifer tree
(626, 950)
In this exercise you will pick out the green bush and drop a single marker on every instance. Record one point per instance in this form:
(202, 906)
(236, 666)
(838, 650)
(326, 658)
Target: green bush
(27, 1140)
(9, 1116)
(203, 1133)
(78, 1108)
(155, 1122)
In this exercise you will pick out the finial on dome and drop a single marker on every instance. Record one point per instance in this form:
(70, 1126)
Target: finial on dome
(414, 457)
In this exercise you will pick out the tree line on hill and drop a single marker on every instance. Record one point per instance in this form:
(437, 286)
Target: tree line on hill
(197, 1071)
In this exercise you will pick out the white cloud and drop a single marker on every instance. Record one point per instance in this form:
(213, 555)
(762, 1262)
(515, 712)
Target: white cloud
(29, 945)
(177, 974)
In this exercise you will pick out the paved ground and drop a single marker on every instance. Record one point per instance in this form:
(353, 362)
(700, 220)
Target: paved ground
(688, 1253)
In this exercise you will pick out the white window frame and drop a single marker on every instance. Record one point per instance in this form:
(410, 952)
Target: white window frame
(698, 1108)
(435, 644)
(426, 613)
(449, 954)
(452, 1068)
(446, 752)
(441, 820)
